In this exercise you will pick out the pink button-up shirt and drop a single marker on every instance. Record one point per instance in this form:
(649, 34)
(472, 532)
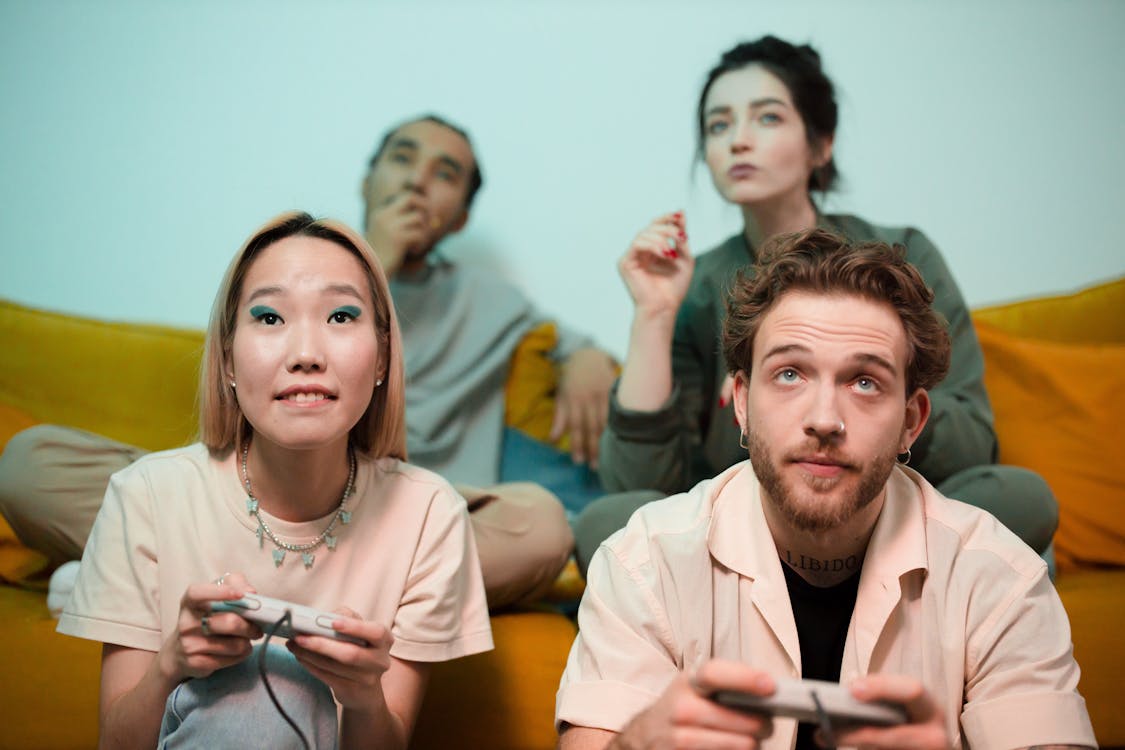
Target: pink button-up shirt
(946, 594)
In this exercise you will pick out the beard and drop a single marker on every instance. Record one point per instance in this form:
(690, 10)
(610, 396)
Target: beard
(808, 508)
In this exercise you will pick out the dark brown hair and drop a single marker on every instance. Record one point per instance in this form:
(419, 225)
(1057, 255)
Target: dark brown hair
(821, 262)
(799, 68)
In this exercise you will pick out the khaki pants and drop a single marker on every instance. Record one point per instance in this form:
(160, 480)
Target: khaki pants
(53, 479)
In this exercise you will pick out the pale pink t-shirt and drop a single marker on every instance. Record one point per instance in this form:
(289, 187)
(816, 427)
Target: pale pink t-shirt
(406, 560)
(946, 594)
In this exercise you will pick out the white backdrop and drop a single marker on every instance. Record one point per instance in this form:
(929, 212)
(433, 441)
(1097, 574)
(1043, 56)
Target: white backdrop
(143, 141)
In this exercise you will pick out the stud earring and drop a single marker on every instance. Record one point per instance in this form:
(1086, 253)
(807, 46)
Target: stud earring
(378, 382)
(232, 385)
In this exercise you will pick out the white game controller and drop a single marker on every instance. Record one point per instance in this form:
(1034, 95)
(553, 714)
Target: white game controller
(795, 699)
(266, 611)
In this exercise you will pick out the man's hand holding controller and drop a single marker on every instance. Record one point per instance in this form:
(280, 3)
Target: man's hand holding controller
(729, 704)
(925, 724)
(684, 716)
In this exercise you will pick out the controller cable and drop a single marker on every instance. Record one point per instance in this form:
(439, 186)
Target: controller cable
(286, 618)
(828, 737)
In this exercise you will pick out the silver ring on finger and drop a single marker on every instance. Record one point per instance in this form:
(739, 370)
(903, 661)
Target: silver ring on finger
(205, 625)
(219, 581)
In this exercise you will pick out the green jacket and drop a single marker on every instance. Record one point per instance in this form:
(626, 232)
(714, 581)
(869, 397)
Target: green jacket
(690, 439)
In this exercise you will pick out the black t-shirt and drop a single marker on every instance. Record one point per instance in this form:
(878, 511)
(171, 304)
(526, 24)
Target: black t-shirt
(822, 615)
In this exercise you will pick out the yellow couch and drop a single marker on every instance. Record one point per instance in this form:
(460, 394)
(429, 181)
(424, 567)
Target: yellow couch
(1055, 369)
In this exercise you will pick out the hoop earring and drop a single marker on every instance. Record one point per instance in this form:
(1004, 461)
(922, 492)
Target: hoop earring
(904, 457)
(742, 440)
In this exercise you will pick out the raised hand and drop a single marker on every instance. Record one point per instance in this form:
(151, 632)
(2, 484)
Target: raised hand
(658, 265)
(657, 270)
(399, 227)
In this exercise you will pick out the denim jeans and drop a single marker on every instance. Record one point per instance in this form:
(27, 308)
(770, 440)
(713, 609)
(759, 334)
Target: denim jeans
(231, 708)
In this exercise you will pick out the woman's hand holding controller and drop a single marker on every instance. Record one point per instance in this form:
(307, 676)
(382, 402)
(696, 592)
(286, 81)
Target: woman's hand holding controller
(204, 642)
(353, 672)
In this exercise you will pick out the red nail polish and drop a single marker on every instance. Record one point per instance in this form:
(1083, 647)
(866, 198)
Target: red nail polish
(683, 235)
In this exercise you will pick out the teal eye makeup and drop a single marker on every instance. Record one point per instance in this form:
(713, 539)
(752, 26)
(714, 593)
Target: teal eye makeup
(264, 313)
(345, 313)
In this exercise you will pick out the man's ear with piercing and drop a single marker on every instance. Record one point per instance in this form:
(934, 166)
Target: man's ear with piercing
(738, 396)
(918, 408)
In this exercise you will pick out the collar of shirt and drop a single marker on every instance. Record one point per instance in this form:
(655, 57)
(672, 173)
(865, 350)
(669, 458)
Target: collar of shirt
(739, 538)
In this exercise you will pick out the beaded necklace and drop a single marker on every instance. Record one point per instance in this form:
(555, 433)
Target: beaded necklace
(326, 537)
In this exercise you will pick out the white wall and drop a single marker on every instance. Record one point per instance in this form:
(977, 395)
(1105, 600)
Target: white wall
(143, 141)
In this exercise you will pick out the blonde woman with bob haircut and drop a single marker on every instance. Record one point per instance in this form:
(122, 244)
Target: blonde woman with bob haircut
(298, 491)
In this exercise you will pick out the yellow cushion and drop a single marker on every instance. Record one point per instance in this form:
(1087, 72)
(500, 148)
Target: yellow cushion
(1095, 315)
(1060, 411)
(134, 383)
(529, 396)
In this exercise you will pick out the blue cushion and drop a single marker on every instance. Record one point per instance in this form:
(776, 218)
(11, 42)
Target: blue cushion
(525, 459)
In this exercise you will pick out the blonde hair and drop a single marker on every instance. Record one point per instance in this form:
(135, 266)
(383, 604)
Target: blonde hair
(381, 431)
